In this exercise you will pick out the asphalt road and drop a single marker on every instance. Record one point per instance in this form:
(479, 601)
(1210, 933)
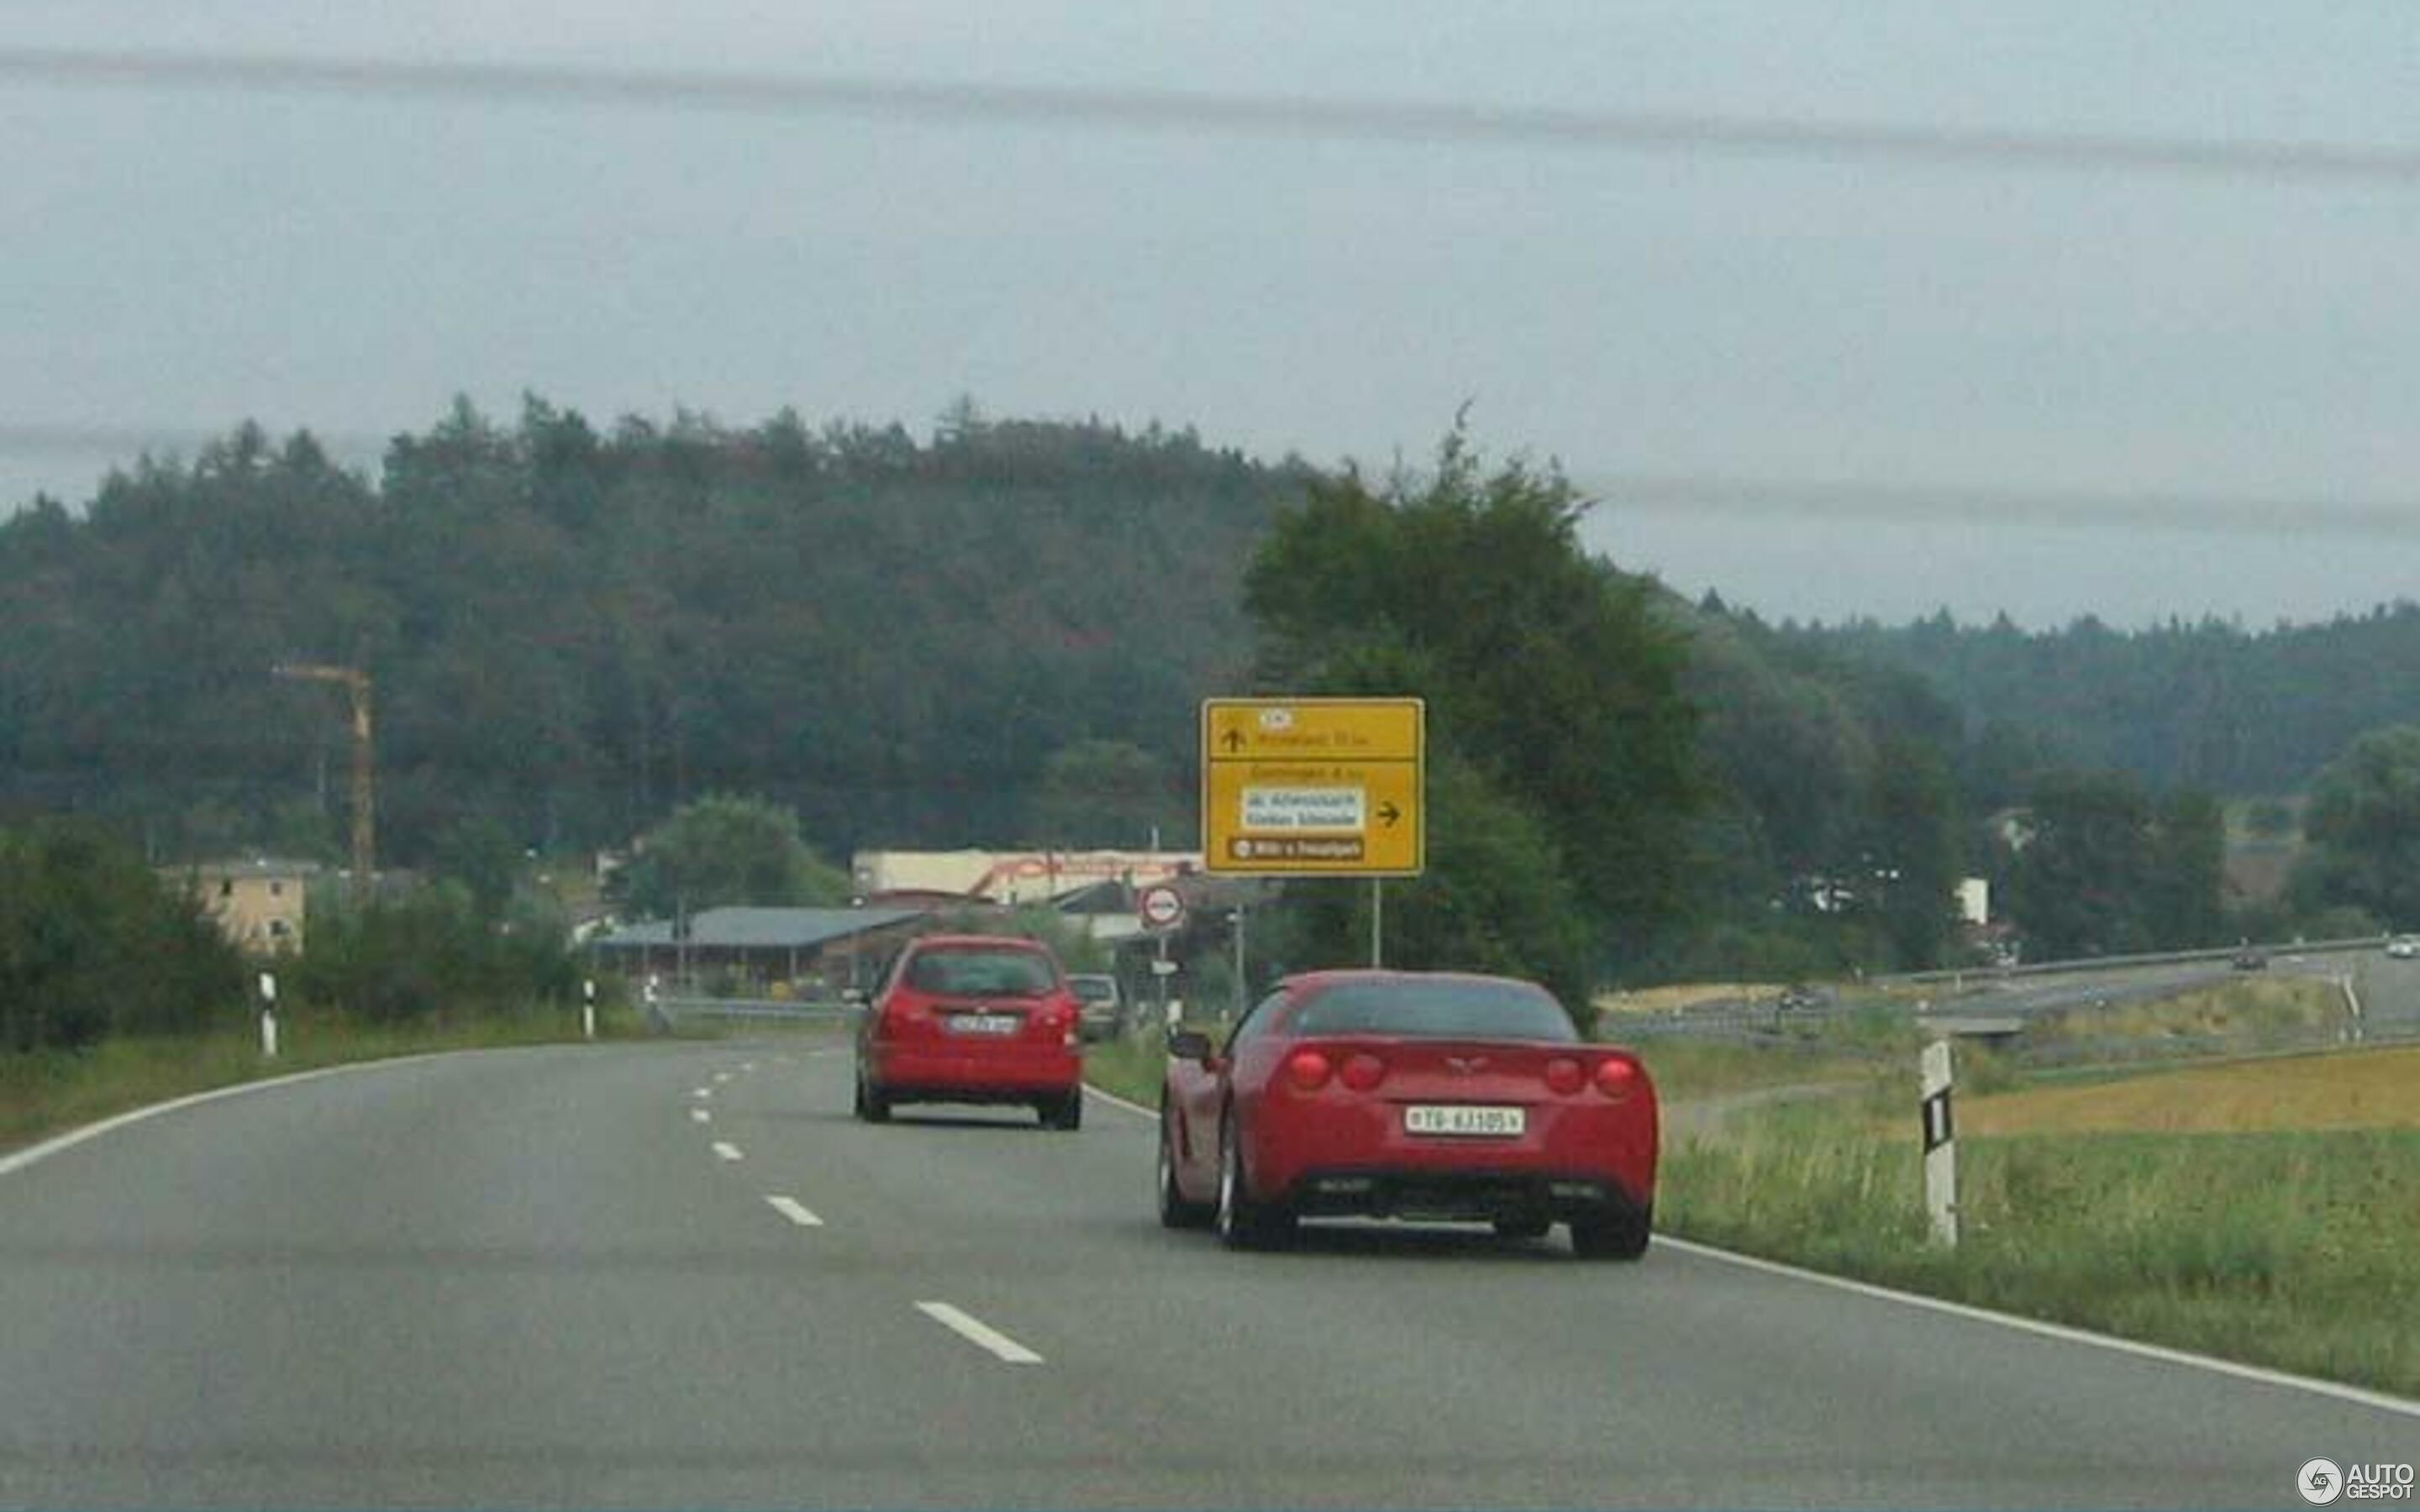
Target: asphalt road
(2388, 989)
(2389, 992)
(681, 1274)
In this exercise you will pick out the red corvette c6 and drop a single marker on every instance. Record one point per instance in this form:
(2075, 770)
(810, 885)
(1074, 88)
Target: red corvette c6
(1411, 1095)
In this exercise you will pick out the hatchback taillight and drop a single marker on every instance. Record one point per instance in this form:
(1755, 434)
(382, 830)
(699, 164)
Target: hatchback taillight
(901, 1016)
(1617, 1077)
(1308, 1069)
(1061, 1021)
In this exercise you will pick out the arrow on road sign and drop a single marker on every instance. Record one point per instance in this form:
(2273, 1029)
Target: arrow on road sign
(1388, 813)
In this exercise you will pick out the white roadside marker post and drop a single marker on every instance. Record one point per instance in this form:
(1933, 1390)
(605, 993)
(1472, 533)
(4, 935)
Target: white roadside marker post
(268, 1015)
(588, 1007)
(1940, 1149)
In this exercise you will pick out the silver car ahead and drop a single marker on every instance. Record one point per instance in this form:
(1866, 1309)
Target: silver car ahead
(1102, 1004)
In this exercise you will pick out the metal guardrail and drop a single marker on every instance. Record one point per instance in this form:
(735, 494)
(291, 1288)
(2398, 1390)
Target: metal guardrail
(667, 1011)
(2123, 962)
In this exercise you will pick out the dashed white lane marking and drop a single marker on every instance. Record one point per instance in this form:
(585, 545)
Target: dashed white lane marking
(724, 1150)
(979, 1334)
(701, 1091)
(721, 1077)
(795, 1212)
(748, 1065)
(699, 1115)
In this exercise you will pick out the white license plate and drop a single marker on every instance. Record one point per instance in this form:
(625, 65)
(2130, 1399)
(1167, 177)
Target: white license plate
(984, 1023)
(1466, 1121)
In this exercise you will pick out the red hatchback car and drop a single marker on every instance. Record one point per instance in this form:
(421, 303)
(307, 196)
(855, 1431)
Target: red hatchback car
(1388, 1094)
(972, 1018)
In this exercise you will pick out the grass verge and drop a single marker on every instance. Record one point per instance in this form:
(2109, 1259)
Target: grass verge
(2299, 1251)
(1129, 1066)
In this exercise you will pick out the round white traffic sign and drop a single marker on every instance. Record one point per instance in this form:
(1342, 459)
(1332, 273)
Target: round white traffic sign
(1160, 907)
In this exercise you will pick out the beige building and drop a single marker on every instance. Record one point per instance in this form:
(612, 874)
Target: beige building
(259, 904)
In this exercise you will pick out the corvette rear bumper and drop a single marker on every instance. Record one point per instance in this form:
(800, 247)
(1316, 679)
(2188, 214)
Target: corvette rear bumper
(1442, 1196)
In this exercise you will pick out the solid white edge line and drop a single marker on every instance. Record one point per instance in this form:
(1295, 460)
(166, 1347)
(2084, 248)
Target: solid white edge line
(2065, 1332)
(23, 1158)
(797, 1212)
(1116, 1101)
(724, 1150)
(30, 1154)
(974, 1331)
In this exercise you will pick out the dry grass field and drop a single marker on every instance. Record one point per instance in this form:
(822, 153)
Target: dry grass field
(1665, 999)
(2353, 1089)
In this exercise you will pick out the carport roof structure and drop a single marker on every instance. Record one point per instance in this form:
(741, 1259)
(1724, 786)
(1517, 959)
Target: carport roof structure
(758, 929)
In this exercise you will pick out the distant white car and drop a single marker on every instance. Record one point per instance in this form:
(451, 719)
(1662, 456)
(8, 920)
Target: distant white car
(2404, 947)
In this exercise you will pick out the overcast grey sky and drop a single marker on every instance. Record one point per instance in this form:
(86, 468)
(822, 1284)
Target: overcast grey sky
(1989, 347)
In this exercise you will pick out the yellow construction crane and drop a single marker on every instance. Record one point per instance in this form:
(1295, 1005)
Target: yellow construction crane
(356, 682)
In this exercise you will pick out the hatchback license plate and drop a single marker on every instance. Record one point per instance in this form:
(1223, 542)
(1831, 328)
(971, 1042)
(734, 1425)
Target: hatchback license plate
(1466, 1121)
(983, 1022)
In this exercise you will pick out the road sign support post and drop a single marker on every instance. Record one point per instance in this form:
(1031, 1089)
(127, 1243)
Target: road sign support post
(1940, 1144)
(1377, 922)
(1243, 993)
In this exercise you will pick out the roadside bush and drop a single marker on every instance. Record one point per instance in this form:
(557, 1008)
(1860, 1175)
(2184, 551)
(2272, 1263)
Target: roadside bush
(431, 952)
(92, 943)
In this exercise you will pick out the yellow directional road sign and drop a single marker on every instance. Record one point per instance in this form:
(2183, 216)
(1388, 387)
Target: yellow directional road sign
(1314, 787)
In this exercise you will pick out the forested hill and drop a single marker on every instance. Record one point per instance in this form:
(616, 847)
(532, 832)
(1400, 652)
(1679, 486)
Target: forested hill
(2209, 706)
(998, 635)
(572, 631)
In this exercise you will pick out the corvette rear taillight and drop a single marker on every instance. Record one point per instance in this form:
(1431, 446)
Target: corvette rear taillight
(1565, 1075)
(1363, 1072)
(1617, 1077)
(1308, 1069)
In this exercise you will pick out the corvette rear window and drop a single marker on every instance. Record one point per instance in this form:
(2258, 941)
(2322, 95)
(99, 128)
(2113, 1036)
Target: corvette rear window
(974, 973)
(1439, 1010)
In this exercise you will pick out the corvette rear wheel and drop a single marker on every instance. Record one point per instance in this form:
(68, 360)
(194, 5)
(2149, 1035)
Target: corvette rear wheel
(1176, 1210)
(1621, 1237)
(1063, 1112)
(1243, 1223)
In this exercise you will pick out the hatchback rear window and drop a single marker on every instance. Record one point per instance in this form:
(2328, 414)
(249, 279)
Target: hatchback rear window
(1439, 1010)
(978, 972)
